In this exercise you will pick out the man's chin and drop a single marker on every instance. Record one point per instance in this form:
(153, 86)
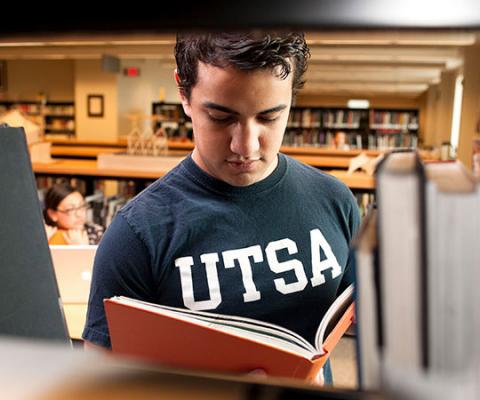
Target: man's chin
(242, 180)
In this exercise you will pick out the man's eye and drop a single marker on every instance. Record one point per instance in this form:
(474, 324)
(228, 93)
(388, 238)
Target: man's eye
(220, 119)
(267, 119)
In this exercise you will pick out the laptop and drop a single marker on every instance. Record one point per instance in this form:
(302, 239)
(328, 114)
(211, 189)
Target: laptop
(73, 265)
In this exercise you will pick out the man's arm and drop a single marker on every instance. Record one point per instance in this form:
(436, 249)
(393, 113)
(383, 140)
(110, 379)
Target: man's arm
(353, 225)
(121, 268)
(349, 273)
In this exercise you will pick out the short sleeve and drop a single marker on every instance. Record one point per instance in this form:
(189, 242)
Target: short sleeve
(353, 223)
(122, 267)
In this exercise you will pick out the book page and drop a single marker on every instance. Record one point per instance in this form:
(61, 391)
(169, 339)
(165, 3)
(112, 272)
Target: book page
(256, 330)
(331, 317)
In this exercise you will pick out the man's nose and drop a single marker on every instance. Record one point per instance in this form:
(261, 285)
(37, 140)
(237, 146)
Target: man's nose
(246, 140)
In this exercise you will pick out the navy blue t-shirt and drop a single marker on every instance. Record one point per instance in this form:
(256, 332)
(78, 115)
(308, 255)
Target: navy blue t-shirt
(277, 250)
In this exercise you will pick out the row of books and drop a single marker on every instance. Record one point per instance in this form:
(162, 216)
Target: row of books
(103, 209)
(400, 120)
(365, 202)
(29, 108)
(309, 137)
(342, 119)
(316, 118)
(392, 141)
(304, 118)
(169, 111)
(56, 124)
(417, 265)
(310, 117)
(44, 182)
(61, 109)
(353, 119)
(51, 117)
(348, 140)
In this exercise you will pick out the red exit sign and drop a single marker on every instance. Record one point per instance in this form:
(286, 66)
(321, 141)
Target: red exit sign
(131, 71)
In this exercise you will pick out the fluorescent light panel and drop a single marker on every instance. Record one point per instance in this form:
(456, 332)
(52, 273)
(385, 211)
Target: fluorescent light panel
(358, 103)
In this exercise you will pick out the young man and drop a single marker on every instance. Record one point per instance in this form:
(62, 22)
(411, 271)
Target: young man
(236, 228)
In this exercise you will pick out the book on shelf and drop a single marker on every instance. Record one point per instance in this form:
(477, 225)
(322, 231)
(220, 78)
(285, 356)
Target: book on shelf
(453, 226)
(418, 306)
(365, 247)
(202, 340)
(402, 269)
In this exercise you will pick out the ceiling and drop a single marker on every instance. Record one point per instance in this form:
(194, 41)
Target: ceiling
(355, 63)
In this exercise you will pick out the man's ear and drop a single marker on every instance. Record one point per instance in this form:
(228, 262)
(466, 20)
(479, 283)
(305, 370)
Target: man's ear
(181, 92)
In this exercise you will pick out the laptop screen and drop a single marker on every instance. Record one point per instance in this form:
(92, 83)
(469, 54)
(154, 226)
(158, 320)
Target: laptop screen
(73, 266)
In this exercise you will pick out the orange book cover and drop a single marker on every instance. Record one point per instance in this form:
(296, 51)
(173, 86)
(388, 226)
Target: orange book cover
(207, 341)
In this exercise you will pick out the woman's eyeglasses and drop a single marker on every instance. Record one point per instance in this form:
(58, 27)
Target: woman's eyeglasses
(75, 210)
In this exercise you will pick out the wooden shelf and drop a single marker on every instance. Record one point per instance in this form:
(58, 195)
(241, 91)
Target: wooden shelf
(64, 131)
(356, 180)
(94, 151)
(89, 168)
(96, 143)
(82, 151)
(188, 146)
(326, 151)
(63, 167)
(326, 158)
(323, 161)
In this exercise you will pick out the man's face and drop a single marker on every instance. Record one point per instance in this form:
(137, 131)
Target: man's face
(238, 119)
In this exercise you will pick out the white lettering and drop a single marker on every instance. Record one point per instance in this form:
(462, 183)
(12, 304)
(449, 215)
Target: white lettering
(185, 264)
(317, 241)
(243, 257)
(279, 267)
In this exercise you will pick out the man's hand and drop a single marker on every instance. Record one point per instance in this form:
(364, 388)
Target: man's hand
(258, 372)
(319, 379)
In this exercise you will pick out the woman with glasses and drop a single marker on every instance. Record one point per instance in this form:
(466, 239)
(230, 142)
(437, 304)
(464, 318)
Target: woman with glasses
(65, 214)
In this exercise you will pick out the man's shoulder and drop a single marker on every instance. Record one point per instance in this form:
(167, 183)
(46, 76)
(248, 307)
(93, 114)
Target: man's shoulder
(311, 175)
(157, 198)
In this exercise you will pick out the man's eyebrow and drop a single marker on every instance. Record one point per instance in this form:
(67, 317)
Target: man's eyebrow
(274, 109)
(218, 107)
(215, 106)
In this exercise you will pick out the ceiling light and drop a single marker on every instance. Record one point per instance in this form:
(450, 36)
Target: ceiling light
(358, 103)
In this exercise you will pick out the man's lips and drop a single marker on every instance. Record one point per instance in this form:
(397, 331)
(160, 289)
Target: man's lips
(243, 165)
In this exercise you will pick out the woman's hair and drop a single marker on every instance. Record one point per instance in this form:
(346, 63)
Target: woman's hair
(54, 196)
(247, 51)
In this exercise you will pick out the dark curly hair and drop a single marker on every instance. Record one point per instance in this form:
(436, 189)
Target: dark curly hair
(246, 51)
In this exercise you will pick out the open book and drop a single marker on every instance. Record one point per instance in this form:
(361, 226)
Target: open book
(202, 340)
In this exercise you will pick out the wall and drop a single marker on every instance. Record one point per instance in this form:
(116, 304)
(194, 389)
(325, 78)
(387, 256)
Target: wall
(26, 78)
(90, 79)
(136, 94)
(470, 119)
(431, 101)
(445, 107)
